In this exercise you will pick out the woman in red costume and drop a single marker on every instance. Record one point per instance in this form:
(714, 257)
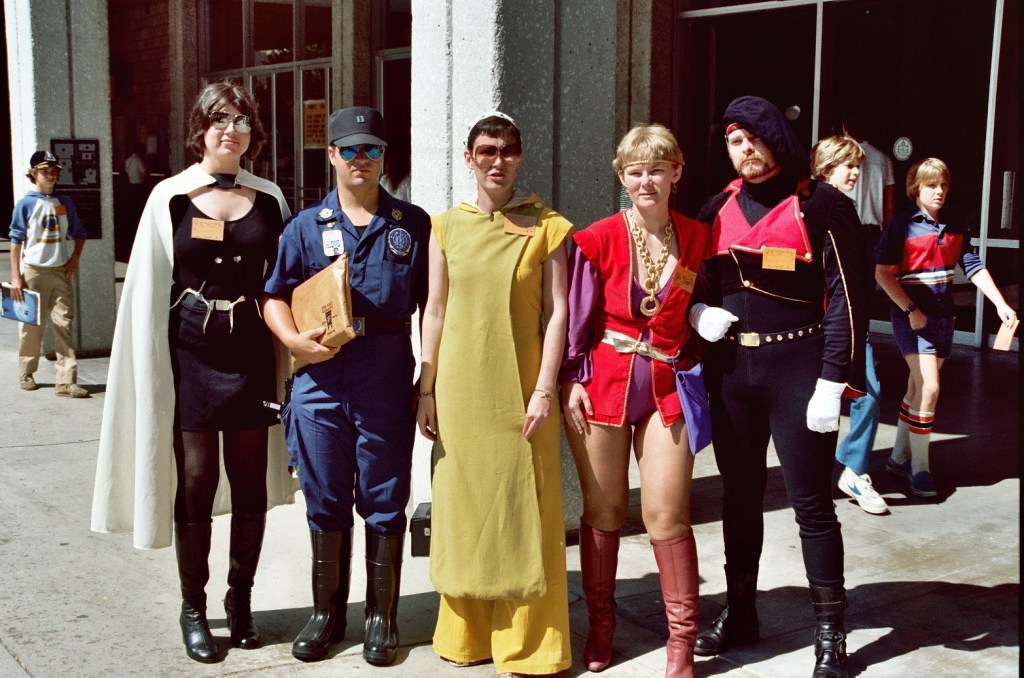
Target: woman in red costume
(632, 275)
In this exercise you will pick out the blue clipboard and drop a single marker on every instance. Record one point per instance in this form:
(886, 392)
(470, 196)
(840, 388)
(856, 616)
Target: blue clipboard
(26, 311)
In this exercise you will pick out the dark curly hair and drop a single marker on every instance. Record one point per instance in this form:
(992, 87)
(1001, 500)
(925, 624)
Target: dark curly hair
(215, 96)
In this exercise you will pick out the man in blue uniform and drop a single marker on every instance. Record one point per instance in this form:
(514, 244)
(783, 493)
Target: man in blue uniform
(350, 422)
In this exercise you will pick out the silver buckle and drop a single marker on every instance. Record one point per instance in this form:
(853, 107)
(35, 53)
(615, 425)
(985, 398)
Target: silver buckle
(749, 339)
(359, 325)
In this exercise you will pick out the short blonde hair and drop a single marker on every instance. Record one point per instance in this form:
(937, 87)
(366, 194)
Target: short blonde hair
(646, 144)
(831, 152)
(924, 171)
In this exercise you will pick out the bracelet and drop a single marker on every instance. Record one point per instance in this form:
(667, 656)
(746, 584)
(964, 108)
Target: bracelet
(546, 395)
(427, 394)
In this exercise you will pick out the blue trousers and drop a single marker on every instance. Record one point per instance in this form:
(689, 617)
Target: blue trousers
(350, 427)
(864, 414)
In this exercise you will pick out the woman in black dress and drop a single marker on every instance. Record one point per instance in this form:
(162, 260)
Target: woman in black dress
(225, 239)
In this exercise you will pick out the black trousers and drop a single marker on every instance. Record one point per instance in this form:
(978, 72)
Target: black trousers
(761, 393)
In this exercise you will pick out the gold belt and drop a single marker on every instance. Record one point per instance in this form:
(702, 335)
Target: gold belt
(625, 344)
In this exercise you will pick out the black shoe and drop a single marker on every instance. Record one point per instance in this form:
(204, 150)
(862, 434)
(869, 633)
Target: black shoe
(332, 556)
(725, 633)
(246, 542)
(192, 545)
(383, 576)
(737, 624)
(829, 633)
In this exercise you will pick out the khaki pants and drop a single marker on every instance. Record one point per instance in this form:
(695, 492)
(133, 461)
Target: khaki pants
(56, 297)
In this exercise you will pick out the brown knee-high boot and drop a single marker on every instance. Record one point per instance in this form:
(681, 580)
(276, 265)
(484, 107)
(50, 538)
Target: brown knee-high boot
(599, 558)
(677, 565)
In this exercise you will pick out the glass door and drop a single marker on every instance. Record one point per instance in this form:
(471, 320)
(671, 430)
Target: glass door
(920, 78)
(726, 53)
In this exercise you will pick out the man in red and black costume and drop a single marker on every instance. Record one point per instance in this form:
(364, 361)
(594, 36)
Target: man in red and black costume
(781, 299)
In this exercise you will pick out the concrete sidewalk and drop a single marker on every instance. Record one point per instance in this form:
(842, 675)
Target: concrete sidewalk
(933, 586)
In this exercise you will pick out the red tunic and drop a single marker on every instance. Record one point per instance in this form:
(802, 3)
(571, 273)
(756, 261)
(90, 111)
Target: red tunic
(608, 245)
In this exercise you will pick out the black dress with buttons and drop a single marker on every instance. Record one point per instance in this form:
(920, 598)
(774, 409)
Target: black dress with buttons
(223, 361)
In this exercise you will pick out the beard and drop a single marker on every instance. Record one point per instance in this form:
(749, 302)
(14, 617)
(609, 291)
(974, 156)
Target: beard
(754, 167)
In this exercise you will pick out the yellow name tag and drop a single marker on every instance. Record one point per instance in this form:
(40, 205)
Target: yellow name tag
(684, 278)
(60, 210)
(207, 229)
(519, 224)
(778, 258)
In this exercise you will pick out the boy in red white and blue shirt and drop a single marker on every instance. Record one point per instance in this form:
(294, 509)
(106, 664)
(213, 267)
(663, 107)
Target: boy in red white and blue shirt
(41, 226)
(914, 265)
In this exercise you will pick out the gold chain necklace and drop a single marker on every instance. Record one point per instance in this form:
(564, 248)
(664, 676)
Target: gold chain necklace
(649, 304)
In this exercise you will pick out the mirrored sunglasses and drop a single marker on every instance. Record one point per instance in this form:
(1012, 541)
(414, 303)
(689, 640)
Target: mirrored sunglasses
(371, 151)
(488, 153)
(220, 120)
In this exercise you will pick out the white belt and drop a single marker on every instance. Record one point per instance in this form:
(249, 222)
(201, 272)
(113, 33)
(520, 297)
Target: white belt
(212, 305)
(626, 344)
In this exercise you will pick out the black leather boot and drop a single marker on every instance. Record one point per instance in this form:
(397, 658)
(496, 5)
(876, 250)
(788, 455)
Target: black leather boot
(736, 624)
(246, 541)
(192, 545)
(383, 575)
(332, 558)
(830, 632)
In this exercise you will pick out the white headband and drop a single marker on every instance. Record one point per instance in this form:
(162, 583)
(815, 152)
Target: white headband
(494, 114)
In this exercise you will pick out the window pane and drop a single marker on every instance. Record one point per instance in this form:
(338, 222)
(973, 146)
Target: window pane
(284, 137)
(225, 43)
(314, 135)
(272, 37)
(318, 31)
(263, 92)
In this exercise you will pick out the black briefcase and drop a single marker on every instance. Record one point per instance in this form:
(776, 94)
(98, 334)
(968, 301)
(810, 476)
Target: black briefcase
(419, 527)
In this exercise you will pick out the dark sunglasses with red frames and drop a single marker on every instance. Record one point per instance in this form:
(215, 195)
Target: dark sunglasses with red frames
(371, 151)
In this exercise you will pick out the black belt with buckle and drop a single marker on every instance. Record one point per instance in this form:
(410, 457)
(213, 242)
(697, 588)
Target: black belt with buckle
(373, 325)
(755, 339)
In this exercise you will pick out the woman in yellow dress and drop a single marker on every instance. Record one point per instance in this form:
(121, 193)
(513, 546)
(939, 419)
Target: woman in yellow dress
(487, 398)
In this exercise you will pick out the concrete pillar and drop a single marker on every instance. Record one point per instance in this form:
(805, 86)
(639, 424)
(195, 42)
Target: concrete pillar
(183, 18)
(57, 66)
(558, 69)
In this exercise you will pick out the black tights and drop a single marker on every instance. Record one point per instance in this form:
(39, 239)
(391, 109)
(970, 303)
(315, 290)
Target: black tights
(197, 459)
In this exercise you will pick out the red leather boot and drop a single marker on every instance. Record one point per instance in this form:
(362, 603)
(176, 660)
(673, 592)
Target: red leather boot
(599, 558)
(677, 565)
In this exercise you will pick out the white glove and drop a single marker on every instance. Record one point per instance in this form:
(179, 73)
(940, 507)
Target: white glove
(823, 407)
(711, 322)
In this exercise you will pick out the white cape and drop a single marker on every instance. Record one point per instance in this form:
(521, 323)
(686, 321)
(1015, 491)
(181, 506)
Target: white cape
(135, 472)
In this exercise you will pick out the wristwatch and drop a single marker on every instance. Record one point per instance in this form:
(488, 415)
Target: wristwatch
(910, 309)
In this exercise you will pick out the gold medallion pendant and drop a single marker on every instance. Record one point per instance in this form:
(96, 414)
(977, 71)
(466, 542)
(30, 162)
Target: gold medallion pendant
(649, 305)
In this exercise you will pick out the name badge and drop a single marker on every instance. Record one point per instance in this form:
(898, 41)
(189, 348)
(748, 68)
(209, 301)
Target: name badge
(208, 229)
(332, 242)
(60, 210)
(778, 258)
(520, 224)
(684, 279)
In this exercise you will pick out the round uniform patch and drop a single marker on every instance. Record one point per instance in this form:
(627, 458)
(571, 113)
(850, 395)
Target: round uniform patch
(399, 241)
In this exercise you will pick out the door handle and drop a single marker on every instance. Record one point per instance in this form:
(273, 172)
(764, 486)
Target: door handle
(1006, 219)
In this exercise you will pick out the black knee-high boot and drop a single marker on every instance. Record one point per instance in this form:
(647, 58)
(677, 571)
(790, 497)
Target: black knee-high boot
(246, 542)
(383, 576)
(192, 544)
(829, 632)
(332, 559)
(737, 624)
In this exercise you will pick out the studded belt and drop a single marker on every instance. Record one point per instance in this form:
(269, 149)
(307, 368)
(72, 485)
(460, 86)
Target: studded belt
(755, 339)
(625, 344)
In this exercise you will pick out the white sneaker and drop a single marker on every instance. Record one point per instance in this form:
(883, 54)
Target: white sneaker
(859, 487)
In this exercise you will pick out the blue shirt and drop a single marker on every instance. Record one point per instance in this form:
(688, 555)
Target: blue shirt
(387, 264)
